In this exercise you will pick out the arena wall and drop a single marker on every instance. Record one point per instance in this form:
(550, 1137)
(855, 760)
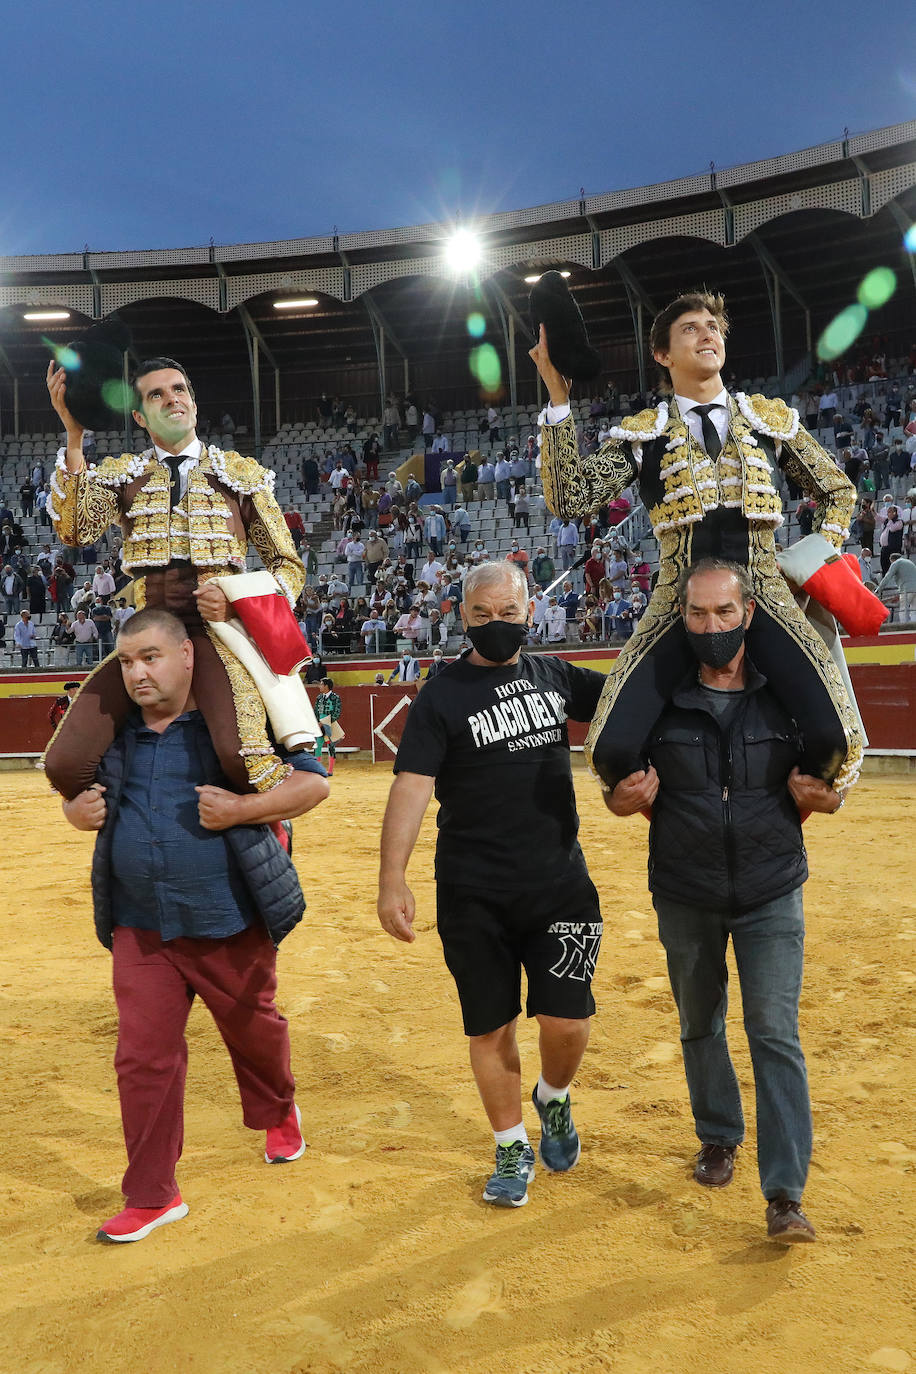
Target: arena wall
(883, 671)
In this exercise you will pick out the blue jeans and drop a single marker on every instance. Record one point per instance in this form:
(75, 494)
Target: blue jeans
(85, 652)
(769, 950)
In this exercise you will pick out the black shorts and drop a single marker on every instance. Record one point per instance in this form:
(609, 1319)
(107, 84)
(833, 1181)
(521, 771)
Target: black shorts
(553, 931)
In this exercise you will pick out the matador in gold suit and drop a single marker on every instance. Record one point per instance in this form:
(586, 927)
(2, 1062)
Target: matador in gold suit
(172, 548)
(723, 507)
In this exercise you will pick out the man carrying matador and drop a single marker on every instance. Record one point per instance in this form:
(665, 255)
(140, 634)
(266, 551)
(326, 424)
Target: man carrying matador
(704, 464)
(187, 513)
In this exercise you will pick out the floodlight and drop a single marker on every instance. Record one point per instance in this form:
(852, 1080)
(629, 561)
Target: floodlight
(46, 315)
(306, 303)
(463, 250)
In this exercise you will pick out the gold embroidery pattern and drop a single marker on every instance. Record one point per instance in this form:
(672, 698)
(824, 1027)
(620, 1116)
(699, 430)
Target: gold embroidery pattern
(661, 613)
(198, 529)
(682, 501)
(776, 418)
(810, 467)
(647, 424)
(86, 503)
(62, 505)
(83, 512)
(245, 475)
(576, 485)
(265, 769)
(773, 592)
(760, 501)
(208, 525)
(271, 537)
(96, 509)
(739, 478)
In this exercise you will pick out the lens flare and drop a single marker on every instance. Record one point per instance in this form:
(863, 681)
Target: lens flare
(877, 287)
(841, 332)
(909, 239)
(477, 325)
(63, 356)
(117, 394)
(485, 365)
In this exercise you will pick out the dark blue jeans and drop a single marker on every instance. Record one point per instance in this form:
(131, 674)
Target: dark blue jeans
(769, 948)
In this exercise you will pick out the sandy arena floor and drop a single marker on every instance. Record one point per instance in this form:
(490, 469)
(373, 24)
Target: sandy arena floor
(375, 1251)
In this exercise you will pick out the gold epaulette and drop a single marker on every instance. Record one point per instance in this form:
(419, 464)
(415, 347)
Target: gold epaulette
(244, 475)
(638, 426)
(114, 471)
(771, 417)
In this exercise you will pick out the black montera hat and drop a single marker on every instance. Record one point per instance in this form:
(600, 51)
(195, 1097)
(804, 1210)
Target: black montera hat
(94, 365)
(552, 304)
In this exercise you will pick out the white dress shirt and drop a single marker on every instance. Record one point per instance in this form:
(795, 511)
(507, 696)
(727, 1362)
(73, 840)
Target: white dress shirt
(694, 421)
(189, 456)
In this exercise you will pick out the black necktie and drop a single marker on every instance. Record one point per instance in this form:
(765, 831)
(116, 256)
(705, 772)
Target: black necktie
(174, 464)
(711, 441)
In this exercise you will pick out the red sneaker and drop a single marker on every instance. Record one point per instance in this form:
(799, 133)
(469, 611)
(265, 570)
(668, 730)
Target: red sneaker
(134, 1223)
(284, 1142)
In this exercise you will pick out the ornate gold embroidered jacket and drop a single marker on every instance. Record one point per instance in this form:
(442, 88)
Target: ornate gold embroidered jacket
(680, 484)
(229, 501)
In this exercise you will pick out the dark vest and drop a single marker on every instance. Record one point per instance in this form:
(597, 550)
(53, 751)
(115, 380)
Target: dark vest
(725, 832)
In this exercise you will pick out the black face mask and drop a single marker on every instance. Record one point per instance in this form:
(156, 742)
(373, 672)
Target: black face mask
(719, 647)
(498, 640)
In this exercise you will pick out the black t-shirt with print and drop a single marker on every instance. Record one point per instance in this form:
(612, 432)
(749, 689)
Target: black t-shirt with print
(495, 740)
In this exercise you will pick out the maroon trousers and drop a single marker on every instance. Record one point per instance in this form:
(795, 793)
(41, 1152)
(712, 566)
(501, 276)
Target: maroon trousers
(154, 986)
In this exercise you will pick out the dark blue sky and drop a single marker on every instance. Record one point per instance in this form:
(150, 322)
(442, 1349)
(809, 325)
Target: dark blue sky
(165, 125)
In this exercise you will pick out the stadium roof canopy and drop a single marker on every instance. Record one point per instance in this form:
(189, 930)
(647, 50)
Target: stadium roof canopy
(787, 240)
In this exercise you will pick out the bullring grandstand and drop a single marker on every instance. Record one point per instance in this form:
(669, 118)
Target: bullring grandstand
(392, 314)
(788, 241)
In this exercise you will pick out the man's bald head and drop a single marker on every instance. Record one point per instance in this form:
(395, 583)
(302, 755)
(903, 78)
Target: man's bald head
(154, 618)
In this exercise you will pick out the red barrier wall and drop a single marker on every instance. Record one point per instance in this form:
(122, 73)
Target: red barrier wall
(886, 694)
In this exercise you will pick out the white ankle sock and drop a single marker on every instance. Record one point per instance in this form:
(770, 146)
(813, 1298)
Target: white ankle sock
(513, 1133)
(548, 1093)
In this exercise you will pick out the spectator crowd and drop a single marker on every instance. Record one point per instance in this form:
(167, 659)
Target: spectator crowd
(397, 562)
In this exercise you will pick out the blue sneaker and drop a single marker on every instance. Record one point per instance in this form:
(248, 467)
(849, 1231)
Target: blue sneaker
(560, 1147)
(507, 1186)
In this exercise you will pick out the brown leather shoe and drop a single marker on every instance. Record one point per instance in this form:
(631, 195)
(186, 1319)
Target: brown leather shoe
(787, 1223)
(715, 1165)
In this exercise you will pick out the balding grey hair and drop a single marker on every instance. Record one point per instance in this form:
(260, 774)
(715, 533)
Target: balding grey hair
(488, 574)
(705, 565)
